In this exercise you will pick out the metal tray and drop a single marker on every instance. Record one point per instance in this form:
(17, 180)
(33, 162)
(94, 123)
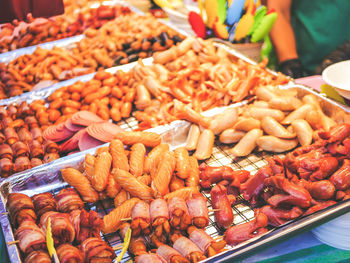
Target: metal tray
(126, 123)
(47, 178)
(67, 43)
(6, 57)
(45, 92)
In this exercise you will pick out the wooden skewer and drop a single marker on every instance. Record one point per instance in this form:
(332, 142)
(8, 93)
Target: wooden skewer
(5, 213)
(12, 242)
(125, 219)
(214, 210)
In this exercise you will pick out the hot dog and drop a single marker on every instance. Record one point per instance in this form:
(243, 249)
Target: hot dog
(223, 214)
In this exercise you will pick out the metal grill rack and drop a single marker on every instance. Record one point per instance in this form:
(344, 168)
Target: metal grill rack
(241, 209)
(128, 124)
(47, 179)
(220, 156)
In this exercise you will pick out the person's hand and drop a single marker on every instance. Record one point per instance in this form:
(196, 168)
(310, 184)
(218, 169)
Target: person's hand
(292, 68)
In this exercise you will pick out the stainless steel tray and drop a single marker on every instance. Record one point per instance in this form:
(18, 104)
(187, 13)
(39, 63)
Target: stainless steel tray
(67, 43)
(64, 42)
(47, 178)
(45, 92)
(126, 123)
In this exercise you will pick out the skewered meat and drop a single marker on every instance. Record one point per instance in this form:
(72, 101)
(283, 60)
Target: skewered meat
(67, 253)
(50, 147)
(278, 216)
(153, 158)
(36, 149)
(137, 159)
(183, 166)
(179, 215)
(68, 200)
(103, 164)
(206, 243)
(240, 233)
(43, 203)
(119, 157)
(131, 184)
(149, 139)
(341, 178)
(198, 210)
(6, 167)
(185, 193)
(223, 214)
(49, 157)
(61, 227)
(162, 178)
(10, 135)
(22, 163)
(193, 179)
(188, 249)
(210, 175)
(319, 206)
(95, 249)
(20, 207)
(86, 224)
(292, 194)
(159, 217)
(112, 220)
(6, 151)
(137, 246)
(30, 236)
(38, 257)
(171, 255)
(141, 219)
(20, 149)
(80, 183)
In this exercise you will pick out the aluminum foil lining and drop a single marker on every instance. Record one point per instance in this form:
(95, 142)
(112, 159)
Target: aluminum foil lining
(45, 92)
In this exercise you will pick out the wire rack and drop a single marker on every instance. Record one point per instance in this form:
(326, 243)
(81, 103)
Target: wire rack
(242, 211)
(128, 124)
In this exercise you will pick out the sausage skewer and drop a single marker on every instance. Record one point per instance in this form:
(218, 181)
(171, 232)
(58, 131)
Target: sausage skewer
(140, 215)
(160, 217)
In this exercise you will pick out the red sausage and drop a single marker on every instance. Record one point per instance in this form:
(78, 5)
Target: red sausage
(220, 201)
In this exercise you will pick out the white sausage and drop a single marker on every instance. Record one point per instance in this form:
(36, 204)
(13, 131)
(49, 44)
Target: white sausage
(285, 103)
(303, 131)
(231, 136)
(247, 124)
(247, 144)
(224, 120)
(192, 138)
(299, 113)
(259, 113)
(273, 127)
(205, 145)
(273, 144)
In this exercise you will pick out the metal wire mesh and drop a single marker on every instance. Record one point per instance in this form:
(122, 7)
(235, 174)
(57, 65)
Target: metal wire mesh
(242, 211)
(220, 157)
(128, 124)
